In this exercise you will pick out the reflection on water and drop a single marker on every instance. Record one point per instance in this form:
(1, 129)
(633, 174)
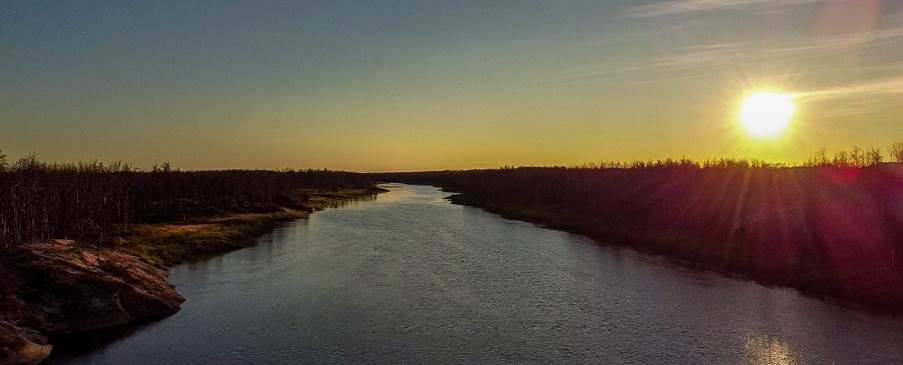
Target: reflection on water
(765, 350)
(409, 278)
(341, 203)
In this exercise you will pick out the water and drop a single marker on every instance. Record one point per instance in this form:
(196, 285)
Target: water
(410, 278)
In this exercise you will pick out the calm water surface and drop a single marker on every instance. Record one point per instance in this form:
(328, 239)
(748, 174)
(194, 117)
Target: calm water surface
(409, 278)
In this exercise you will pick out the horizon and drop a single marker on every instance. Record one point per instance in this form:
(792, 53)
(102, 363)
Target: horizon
(426, 181)
(429, 86)
(892, 155)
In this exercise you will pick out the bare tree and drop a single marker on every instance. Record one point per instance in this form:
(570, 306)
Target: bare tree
(896, 151)
(91, 200)
(874, 157)
(857, 156)
(162, 167)
(841, 158)
(819, 159)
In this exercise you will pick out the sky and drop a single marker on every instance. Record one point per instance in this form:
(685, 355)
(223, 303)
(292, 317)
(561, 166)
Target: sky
(426, 85)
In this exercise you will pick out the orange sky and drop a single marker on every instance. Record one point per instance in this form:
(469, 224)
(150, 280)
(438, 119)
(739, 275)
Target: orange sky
(421, 85)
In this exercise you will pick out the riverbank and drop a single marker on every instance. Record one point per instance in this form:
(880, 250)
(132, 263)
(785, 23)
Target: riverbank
(862, 289)
(832, 231)
(62, 288)
(167, 244)
(479, 289)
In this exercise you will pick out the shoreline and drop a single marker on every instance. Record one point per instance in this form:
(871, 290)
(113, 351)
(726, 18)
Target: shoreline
(61, 291)
(656, 242)
(172, 243)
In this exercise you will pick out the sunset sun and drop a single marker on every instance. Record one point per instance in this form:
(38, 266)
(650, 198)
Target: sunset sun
(765, 113)
(434, 181)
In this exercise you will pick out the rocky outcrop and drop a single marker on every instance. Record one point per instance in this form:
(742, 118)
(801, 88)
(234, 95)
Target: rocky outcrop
(21, 345)
(61, 288)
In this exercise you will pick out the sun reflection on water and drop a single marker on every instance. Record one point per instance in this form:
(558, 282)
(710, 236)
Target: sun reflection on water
(766, 350)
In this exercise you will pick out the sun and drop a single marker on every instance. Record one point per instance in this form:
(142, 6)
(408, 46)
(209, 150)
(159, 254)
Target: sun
(766, 113)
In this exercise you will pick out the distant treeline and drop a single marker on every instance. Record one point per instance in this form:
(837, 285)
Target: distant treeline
(40, 201)
(855, 157)
(831, 228)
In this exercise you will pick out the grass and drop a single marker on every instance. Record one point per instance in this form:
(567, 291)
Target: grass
(166, 244)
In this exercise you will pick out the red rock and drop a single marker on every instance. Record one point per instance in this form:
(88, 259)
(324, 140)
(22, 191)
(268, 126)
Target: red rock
(61, 288)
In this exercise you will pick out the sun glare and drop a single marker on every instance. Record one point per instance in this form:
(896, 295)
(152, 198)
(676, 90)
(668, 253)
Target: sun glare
(766, 114)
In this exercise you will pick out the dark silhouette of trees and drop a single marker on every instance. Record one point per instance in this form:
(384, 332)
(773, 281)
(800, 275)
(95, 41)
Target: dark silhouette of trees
(834, 228)
(874, 157)
(40, 201)
(896, 151)
(856, 157)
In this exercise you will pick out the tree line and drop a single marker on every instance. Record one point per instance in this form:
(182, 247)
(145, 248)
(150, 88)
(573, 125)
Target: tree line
(41, 200)
(854, 157)
(857, 157)
(834, 226)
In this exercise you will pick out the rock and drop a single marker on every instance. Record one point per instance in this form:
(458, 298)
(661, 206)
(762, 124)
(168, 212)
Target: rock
(21, 346)
(61, 288)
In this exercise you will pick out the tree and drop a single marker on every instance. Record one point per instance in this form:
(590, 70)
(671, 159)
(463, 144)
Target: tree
(3, 164)
(874, 157)
(841, 159)
(29, 163)
(820, 158)
(896, 151)
(162, 167)
(857, 156)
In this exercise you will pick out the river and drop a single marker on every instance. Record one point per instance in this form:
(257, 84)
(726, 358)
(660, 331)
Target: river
(407, 277)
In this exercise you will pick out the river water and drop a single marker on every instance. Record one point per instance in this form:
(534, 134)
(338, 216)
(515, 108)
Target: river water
(409, 278)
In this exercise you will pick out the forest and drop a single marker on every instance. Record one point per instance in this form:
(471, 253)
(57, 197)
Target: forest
(88, 200)
(831, 226)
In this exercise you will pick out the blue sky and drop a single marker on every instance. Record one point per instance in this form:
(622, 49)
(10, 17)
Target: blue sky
(405, 85)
